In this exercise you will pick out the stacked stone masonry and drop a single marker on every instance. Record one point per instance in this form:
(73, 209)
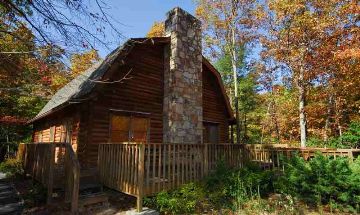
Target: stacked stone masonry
(183, 79)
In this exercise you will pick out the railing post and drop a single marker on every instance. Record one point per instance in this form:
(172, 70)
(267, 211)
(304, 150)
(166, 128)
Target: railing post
(50, 182)
(350, 156)
(139, 203)
(75, 193)
(206, 159)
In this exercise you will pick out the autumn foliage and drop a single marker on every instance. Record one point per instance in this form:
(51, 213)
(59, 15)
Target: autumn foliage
(307, 74)
(156, 30)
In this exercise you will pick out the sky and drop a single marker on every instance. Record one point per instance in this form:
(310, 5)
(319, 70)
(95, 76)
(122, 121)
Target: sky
(134, 18)
(137, 16)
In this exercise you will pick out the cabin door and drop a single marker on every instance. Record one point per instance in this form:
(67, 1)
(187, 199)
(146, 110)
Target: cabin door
(211, 132)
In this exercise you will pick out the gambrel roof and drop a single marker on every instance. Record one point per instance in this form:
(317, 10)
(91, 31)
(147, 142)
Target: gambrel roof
(83, 84)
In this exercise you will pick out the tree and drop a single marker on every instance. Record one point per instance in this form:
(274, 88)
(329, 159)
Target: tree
(156, 30)
(247, 101)
(339, 67)
(247, 87)
(69, 24)
(27, 74)
(30, 73)
(224, 66)
(293, 35)
(308, 38)
(80, 62)
(227, 25)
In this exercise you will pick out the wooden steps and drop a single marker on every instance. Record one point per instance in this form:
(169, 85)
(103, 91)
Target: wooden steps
(96, 199)
(91, 193)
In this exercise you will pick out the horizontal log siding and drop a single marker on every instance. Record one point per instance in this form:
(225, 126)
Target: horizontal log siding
(42, 128)
(214, 108)
(142, 93)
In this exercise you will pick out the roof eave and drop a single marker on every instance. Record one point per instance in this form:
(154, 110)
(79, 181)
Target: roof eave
(222, 88)
(36, 118)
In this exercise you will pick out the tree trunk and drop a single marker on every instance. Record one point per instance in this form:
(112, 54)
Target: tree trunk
(302, 115)
(234, 68)
(268, 115)
(327, 128)
(338, 115)
(245, 127)
(274, 118)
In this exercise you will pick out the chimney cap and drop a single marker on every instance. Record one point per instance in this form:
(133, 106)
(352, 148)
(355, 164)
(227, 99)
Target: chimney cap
(179, 10)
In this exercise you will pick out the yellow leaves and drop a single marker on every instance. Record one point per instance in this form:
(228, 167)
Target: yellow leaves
(57, 81)
(156, 30)
(200, 11)
(81, 62)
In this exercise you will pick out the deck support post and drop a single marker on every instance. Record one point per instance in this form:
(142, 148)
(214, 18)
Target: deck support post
(350, 156)
(50, 182)
(206, 159)
(139, 202)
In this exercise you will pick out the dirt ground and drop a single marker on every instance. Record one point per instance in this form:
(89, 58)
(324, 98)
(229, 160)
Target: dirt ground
(35, 201)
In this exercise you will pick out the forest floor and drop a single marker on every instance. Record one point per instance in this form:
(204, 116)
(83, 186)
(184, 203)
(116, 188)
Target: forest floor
(32, 201)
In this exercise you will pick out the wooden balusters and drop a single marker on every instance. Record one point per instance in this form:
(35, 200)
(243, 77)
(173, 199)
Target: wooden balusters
(146, 169)
(72, 178)
(45, 163)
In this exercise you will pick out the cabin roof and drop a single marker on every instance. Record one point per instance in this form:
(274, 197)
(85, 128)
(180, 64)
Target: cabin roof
(75, 90)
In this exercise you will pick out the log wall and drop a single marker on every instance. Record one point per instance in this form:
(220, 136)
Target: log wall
(214, 108)
(140, 93)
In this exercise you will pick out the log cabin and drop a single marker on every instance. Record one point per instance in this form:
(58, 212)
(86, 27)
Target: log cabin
(157, 90)
(149, 117)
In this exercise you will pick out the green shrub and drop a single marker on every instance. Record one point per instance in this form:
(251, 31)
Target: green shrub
(225, 188)
(351, 137)
(248, 183)
(184, 200)
(322, 180)
(12, 168)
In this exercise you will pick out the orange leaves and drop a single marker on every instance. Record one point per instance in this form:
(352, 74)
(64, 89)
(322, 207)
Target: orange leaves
(353, 53)
(200, 11)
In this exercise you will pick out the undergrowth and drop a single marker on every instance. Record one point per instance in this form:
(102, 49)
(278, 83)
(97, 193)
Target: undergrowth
(322, 183)
(12, 167)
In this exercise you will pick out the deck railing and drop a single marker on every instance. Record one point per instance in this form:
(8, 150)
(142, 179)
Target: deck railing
(39, 161)
(146, 169)
(53, 164)
(269, 156)
(72, 178)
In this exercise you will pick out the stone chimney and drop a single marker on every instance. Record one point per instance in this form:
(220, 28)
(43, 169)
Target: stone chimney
(183, 110)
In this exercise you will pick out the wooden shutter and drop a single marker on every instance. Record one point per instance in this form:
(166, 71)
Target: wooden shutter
(120, 127)
(139, 129)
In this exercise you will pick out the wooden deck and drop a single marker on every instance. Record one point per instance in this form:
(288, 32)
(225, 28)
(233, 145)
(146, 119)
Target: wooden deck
(269, 156)
(140, 169)
(145, 169)
(161, 167)
(53, 165)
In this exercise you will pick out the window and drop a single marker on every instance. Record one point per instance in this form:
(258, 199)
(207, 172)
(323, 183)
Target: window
(129, 128)
(211, 132)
